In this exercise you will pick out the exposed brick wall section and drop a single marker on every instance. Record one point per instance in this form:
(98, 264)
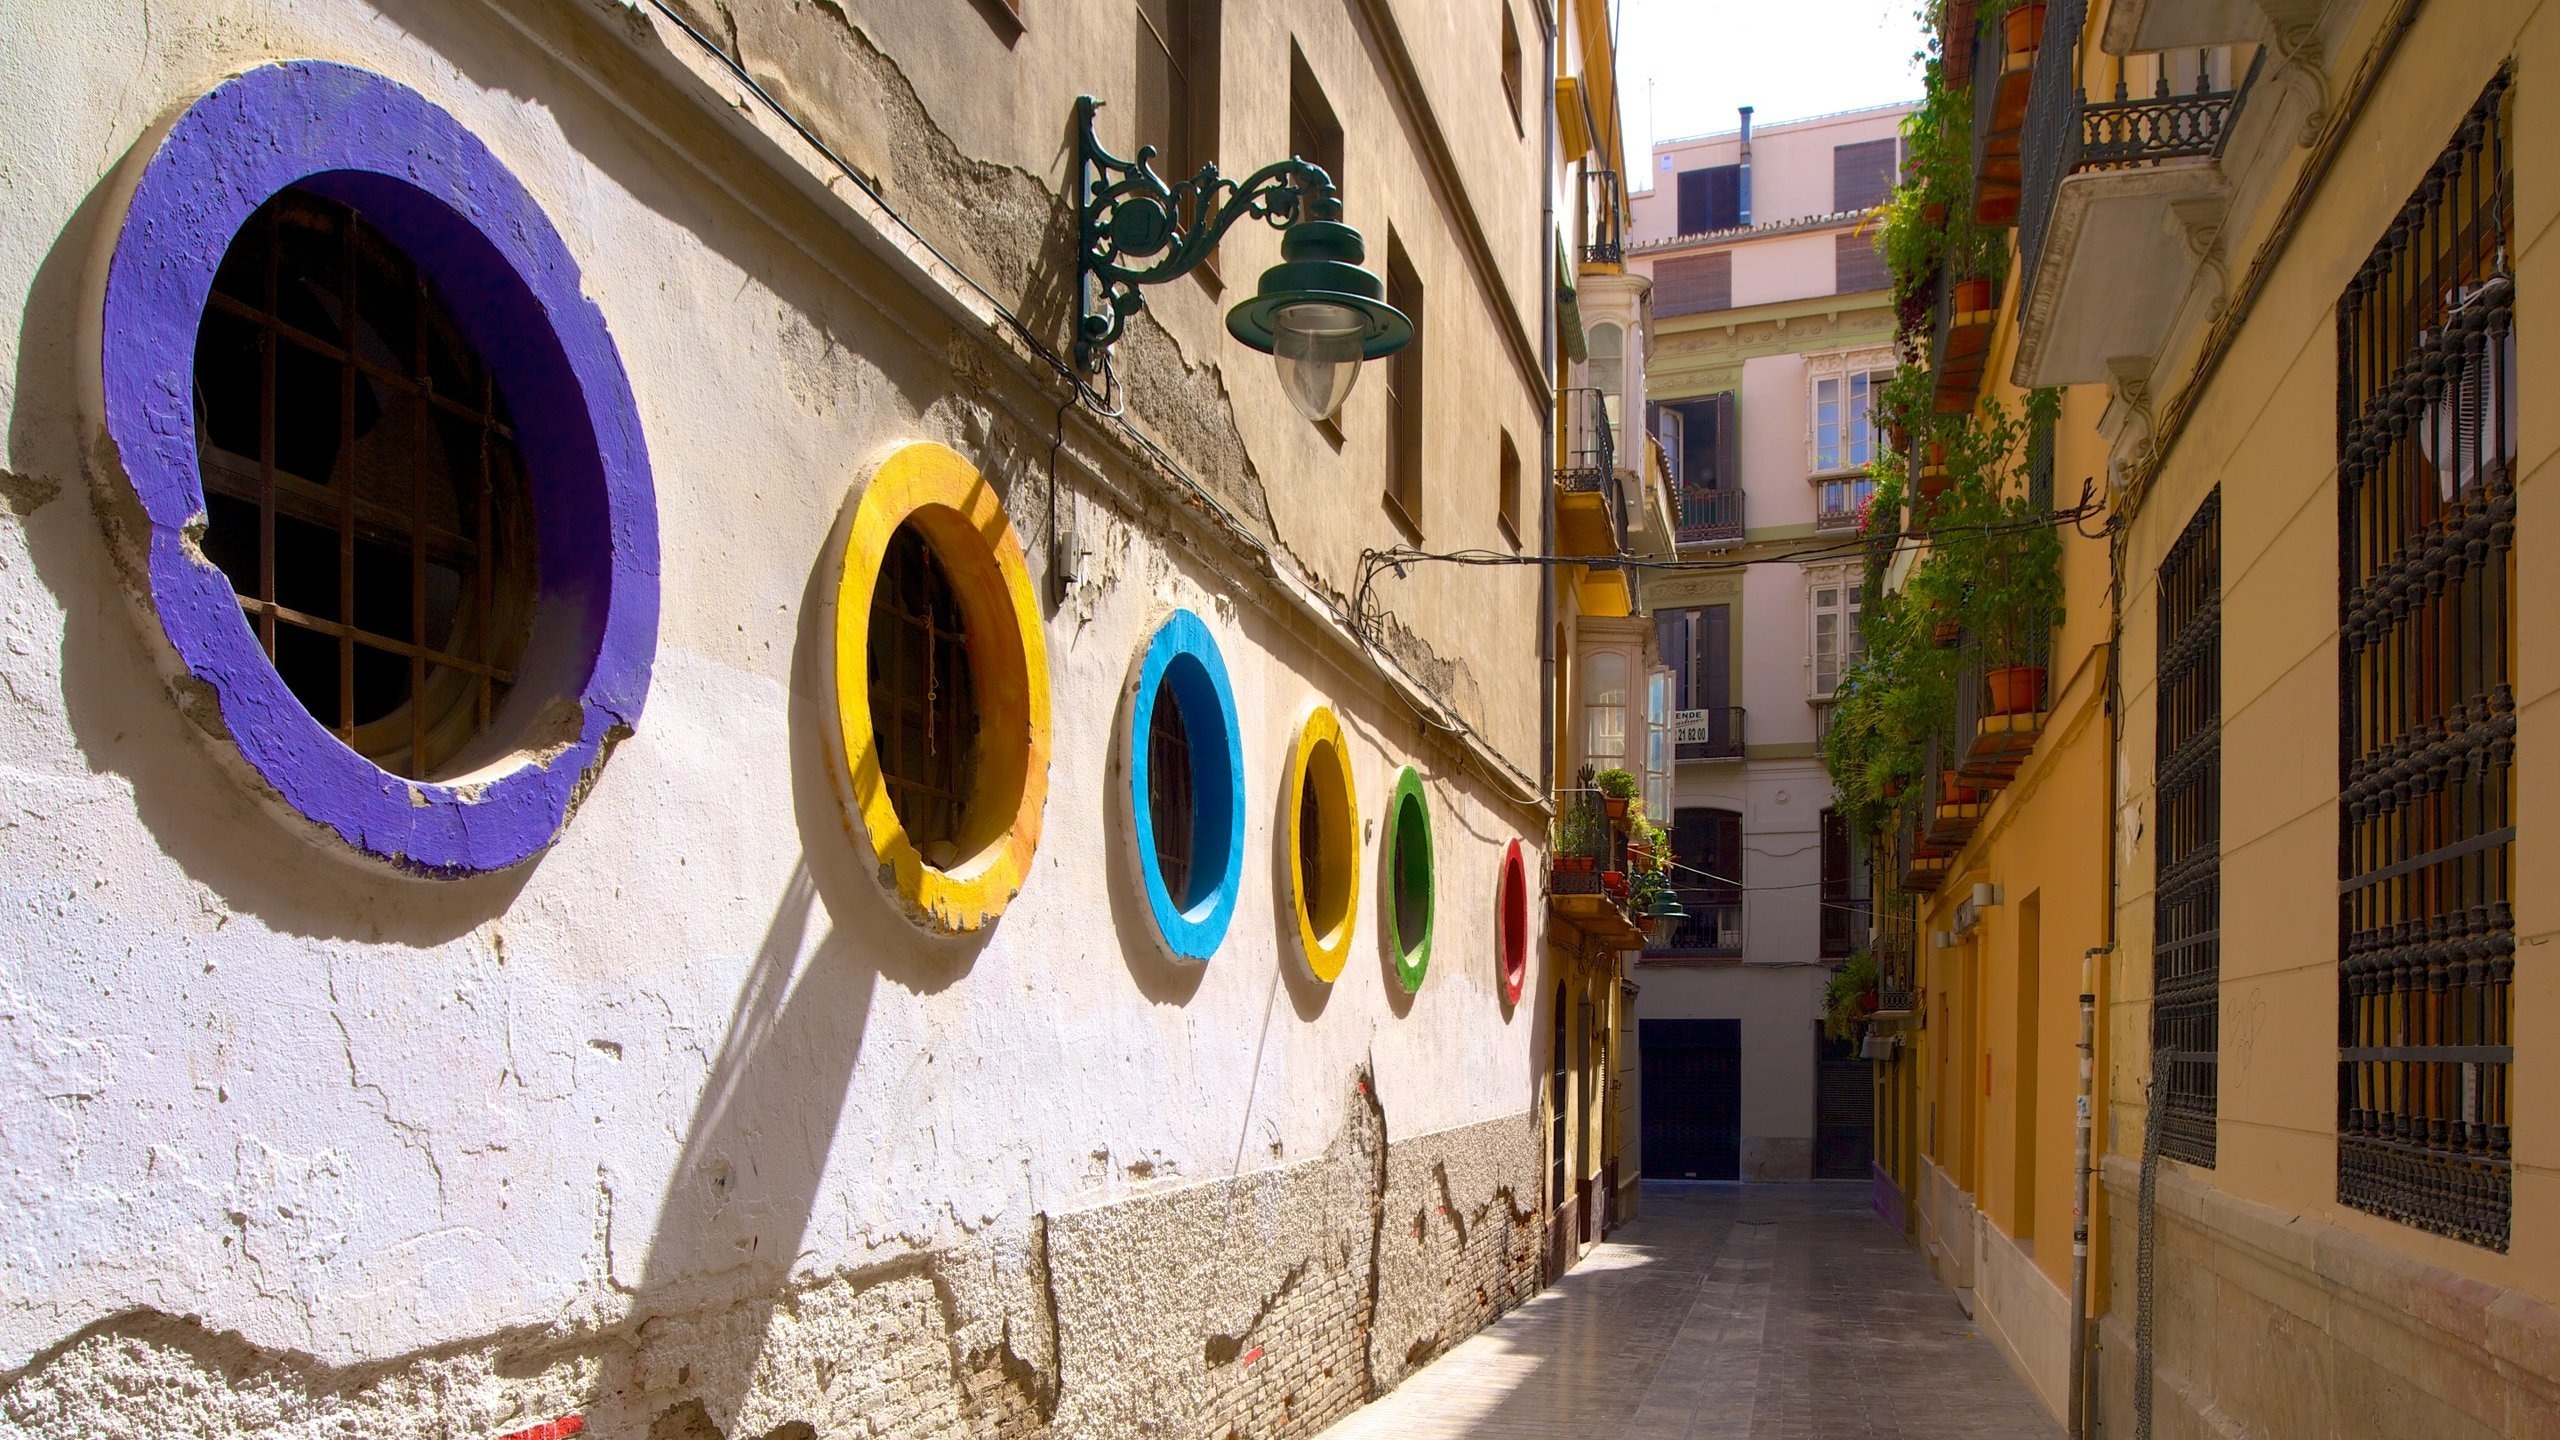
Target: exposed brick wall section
(1263, 1306)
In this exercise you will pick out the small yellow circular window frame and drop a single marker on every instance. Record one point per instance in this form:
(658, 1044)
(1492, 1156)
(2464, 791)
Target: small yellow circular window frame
(1327, 902)
(958, 513)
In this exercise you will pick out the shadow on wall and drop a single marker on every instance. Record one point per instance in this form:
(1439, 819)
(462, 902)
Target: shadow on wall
(189, 789)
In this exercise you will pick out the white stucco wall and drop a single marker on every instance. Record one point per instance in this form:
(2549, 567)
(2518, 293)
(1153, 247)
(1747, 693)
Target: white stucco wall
(246, 1079)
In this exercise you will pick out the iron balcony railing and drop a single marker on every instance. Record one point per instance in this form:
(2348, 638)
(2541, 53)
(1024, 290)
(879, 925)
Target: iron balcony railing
(1710, 516)
(1707, 734)
(1840, 502)
(2009, 675)
(2067, 132)
(1897, 952)
(1587, 454)
(1713, 926)
(1604, 236)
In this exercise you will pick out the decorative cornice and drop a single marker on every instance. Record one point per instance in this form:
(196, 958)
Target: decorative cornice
(1801, 225)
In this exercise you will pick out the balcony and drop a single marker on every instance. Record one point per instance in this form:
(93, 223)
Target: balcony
(1960, 340)
(1711, 517)
(1840, 501)
(2000, 709)
(2137, 26)
(1707, 734)
(1591, 849)
(2124, 197)
(1712, 930)
(1897, 952)
(1919, 864)
(1591, 508)
(1951, 807)
(2002, 67)
(1604, 208)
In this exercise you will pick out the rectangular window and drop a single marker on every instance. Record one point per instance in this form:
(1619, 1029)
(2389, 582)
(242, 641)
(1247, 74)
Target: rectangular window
(2186, 901)
(1693, 284)
(2426, 681)
(1710, 199)
(1314, 134)
(1707, 844)
(1856, 264)
(1844, 432)
(1862, 174)
(1837, 639)
(1511, 63)
(1177, 84)
(1509, 500)
(1844, 887)
(1404, 392)
(1697, 643)
(1706, 442)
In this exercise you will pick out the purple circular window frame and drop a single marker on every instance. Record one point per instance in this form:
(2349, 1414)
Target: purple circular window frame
(437, 192)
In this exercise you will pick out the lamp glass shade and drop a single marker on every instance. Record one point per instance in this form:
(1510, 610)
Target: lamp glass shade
(1316, 345)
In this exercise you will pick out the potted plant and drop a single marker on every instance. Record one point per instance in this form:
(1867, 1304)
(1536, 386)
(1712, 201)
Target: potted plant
(1617, 788)
(1581, 834)
(2024, 29)
(1849, 1000)
(1614, 882)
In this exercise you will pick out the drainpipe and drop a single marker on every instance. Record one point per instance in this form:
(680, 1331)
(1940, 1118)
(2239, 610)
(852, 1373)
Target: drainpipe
(1745, 215)
(2079, 1396)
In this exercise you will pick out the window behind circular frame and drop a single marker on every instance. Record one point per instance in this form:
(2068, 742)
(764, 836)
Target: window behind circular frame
(924, 702)
(1169, 796)
(363, 490)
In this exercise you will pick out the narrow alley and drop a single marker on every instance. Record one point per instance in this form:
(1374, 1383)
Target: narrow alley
(1752, 1312)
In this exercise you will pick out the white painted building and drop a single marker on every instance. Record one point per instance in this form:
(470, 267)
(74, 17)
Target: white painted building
(1771, 322)
(572, 852)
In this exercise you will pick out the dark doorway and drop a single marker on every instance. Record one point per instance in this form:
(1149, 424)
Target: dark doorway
(1844, 1112)
(1692, 1099)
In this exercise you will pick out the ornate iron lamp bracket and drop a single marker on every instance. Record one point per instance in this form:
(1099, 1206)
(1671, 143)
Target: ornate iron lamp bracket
(1135, 230)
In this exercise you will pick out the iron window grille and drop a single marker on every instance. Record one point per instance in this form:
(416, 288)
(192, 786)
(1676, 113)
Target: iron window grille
(363, 491)
(2427, 722)
(2186, 905)
(924, 702)
(1169, 797)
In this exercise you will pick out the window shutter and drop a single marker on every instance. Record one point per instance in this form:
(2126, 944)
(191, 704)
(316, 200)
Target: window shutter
(1857, 265)
(1835, 855)
(1861, 174)
(1693, 284)
(1715, 656)
(1671, 635)
(1710, 199)
(1728, 442)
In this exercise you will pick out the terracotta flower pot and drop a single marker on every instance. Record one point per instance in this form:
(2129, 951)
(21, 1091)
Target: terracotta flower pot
(1952, 791)
(1934, 211)
(1930, 484)
(1938, 448)
(2014, 689)
(1973, 297)
(1615, 882)
(1894, 785)
(1617, 806)
(1574, 864)
(2025, 22)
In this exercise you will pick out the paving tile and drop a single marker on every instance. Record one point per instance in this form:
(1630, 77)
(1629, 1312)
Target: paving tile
(1751, 1312)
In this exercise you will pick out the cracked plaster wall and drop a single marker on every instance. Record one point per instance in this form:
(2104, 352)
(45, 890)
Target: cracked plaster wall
(678, 1126)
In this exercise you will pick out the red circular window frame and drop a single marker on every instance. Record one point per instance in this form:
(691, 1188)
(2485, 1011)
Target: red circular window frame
(1511, 922)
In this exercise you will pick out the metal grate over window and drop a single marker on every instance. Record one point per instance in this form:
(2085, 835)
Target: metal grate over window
(363, 491)
(924, 698)
(2427, 504)
(2186, 905)
(1169, 795)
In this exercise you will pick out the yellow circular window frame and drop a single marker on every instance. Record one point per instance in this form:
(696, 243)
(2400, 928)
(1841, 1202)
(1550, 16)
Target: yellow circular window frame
(958, 514)
(1326, 909)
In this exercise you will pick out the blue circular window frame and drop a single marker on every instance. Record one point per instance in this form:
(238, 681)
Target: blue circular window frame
(1183, 658)
(439, 193)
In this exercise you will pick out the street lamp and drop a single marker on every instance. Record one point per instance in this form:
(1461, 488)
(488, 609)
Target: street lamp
(1317, 314)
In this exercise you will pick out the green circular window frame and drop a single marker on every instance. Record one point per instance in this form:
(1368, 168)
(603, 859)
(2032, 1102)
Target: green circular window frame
(1410, 863)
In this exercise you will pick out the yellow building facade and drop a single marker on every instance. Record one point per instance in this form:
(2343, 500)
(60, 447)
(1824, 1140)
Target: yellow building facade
(2283, 265)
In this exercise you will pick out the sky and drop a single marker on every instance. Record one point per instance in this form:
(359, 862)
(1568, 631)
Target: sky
(1786, 58)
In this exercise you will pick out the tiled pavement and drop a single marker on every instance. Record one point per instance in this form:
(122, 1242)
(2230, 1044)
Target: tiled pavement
(1760, 1312)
